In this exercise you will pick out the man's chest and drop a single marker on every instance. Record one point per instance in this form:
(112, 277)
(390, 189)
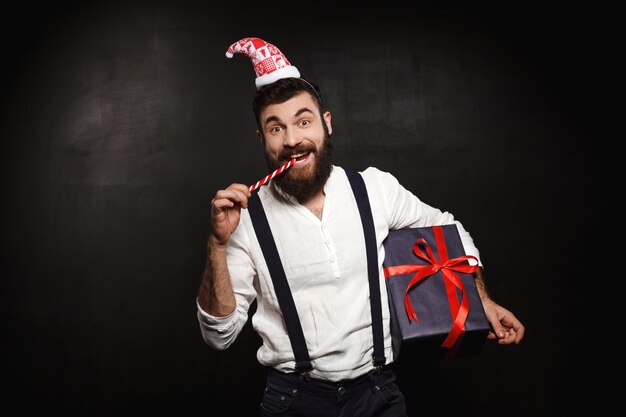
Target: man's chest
(315, 252)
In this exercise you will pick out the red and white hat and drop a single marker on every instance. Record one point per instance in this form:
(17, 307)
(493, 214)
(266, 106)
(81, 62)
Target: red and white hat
(269, 63)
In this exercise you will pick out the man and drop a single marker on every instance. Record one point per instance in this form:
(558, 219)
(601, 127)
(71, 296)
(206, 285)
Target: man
(318, 234)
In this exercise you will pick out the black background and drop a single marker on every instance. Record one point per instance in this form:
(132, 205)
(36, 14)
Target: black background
(121, 120)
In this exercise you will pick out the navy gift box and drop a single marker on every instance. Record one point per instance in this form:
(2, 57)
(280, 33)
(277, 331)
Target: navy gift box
(434, 258)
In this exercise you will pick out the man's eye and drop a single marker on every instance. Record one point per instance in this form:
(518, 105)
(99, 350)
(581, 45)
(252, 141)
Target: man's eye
(275, 129)
(304, 123)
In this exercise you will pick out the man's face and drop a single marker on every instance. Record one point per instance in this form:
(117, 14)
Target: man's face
(296, 129)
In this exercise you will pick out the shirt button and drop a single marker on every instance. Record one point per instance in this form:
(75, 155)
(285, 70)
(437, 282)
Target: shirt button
(341, 390)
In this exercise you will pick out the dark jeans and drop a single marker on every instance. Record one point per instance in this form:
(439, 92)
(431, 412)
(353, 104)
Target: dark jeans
(374, 394)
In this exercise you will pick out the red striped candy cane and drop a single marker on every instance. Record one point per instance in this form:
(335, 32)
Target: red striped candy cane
(268, 177)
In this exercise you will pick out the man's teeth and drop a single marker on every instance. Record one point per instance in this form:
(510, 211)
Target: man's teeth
(300, 156)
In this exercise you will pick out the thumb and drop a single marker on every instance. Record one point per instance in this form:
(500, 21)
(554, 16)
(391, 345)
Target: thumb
(498, 330)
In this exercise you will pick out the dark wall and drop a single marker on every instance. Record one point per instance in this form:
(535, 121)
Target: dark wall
(120, 121)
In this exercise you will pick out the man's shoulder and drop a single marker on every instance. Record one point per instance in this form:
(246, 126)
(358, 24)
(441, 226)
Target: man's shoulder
(375, 178)
(371, 173)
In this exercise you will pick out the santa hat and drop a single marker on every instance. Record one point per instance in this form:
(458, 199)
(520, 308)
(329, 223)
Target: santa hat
(269, 63)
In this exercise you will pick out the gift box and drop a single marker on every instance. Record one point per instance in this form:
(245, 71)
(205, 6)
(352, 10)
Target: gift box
(435, 305)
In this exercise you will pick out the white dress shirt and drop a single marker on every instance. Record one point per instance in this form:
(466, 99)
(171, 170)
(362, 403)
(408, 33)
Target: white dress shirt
(326, 267)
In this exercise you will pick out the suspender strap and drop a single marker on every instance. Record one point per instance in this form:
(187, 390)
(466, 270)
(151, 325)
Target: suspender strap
(281, 286)
(362, 200)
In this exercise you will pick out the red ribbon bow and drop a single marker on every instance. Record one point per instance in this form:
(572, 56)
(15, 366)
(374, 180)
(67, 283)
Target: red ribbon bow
(451, 280)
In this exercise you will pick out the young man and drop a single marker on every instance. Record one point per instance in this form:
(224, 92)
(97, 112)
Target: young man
(318, 234)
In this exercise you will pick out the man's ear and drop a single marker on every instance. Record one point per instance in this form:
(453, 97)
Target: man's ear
(327, 119)
(259, 135)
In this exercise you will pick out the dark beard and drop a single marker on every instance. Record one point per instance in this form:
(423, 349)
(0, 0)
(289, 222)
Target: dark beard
(302, 188)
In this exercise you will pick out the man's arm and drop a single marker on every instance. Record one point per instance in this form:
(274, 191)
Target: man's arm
(406, 210)
(220, 323)
(507, 328)
(215, 295)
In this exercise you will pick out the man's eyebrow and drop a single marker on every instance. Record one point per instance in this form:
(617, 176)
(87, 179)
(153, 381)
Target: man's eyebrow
(272, 118)
(302, 110)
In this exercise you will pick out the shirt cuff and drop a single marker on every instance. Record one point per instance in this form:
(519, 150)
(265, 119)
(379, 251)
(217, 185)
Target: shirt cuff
(214, 321)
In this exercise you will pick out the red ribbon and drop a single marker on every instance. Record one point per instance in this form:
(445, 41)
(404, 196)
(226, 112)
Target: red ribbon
(448, 267)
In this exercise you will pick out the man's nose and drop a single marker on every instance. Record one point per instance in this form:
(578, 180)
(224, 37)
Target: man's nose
(291, 139)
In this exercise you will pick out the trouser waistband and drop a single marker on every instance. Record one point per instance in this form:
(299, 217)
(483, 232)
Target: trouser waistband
(324, 387)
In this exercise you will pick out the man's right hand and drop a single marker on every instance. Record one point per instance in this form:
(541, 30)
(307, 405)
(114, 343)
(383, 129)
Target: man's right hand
(226, 210)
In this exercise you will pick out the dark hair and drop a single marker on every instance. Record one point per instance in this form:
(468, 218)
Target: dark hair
(281, 91)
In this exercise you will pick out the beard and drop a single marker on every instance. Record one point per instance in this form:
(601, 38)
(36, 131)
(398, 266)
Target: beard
(302, 185)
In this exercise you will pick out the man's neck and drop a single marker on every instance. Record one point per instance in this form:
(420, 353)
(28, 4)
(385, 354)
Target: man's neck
(315, 203)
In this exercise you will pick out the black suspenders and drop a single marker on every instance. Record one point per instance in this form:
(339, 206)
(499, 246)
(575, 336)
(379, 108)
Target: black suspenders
(281, 286)
(363, 202)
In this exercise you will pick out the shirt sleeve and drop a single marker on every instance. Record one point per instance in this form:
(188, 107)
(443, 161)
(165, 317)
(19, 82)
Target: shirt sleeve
(404, 209)
(221, 332)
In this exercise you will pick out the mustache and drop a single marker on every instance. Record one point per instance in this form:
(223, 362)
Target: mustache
(286, 154)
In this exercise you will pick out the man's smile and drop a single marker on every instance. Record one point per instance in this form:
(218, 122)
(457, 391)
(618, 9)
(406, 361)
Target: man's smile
(302, 158)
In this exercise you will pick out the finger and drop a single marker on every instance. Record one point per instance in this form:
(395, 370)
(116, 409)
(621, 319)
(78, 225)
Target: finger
(228, 193)
(519, 334)
(516, 326)
(241, 187)
(515, 335)
(507, 340)
(499, 332)
(233, 194)
(242, 197)
(222, 203)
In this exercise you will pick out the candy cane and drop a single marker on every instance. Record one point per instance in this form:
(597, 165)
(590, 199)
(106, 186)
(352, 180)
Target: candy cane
(272, 175)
